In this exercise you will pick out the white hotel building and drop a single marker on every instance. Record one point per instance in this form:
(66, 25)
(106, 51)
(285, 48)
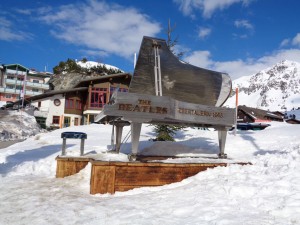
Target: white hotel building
(17, 81)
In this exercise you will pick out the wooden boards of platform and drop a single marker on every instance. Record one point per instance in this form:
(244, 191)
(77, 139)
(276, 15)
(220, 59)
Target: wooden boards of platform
(109, 177)
(67, 166)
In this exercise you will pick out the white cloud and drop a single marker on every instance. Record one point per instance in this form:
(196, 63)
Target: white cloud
(285, 42)
(8, 31)
(291, 41)
(24, 11)
(208, 7)
(204, 32)
(101, 27)
(243, 24)
(199, 58)
(238, 68)
(296, 40)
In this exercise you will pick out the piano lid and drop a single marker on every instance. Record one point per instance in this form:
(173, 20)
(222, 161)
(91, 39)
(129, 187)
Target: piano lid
(179, 80)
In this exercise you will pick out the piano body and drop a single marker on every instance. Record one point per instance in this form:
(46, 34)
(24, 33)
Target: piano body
(165, 90)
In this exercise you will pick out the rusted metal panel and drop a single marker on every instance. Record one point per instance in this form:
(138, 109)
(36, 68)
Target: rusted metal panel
(151, 109)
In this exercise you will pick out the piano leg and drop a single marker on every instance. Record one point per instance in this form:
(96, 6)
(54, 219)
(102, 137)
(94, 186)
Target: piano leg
(119, 130)
(222, 133)
(135, 138)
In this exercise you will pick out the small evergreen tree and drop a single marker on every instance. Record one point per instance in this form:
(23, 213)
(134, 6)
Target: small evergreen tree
(84, 60)
(165, 132)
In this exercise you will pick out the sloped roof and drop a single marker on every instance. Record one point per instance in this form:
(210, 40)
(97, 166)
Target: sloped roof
(118, 78)
(295, 121)
(15, 66)
(51, 93)
(258, 113)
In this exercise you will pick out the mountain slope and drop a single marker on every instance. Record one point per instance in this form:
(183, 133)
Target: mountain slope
(84, 70)
(275, 88)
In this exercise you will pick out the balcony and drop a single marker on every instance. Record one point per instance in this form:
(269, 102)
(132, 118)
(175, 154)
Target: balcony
(13, 81)
(17, 91)
(9, 91)
(37, 85)
(28, 84)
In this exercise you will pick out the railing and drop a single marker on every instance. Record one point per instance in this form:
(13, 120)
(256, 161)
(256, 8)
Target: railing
(28, 84)
(37, 85)
(17, 91)
(9, 91)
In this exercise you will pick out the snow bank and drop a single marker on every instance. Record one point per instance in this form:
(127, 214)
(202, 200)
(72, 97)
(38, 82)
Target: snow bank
(17, 125)
(267, 192)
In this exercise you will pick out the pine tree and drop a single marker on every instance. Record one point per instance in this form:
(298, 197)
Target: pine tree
(70, 66)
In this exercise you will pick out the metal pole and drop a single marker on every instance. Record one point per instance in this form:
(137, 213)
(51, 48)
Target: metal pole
(155, 71)
(82, 147)
(236, 108)
(159, 71)
(63, 148)
(112, 138)
(24, 88)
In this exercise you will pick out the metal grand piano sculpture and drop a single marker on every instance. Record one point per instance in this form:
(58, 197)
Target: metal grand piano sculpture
(164, 90)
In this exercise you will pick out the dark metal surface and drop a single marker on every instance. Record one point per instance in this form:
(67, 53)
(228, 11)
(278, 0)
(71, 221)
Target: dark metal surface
(181, 81)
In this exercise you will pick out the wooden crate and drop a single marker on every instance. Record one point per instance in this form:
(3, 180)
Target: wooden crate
(109, 177)
(67, 166)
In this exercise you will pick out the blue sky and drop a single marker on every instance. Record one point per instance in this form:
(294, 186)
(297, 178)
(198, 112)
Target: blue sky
(239, 37)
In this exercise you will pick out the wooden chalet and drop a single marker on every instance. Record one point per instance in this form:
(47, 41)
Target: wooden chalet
(253, 115)
(78, 105)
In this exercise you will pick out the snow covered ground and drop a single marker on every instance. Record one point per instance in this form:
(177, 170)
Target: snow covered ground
(267, 192)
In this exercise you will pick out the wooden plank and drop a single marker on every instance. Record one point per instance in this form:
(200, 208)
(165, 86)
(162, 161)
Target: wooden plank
(108, 177)
(102, 179)
(145, 176)
(67, 168)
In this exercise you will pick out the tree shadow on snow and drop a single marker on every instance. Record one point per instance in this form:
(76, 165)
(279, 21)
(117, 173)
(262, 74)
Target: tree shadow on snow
(28, 155)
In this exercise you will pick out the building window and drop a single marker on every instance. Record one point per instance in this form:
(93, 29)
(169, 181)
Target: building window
(113, 89)
(9, 86)
(35, 90)
(8, 96)
(73, 104)
(21, 78)
(98, 97)
(55, 119)
(10, 77)
(78, 104)
(39, 104)
(69, 104)
(35, 81)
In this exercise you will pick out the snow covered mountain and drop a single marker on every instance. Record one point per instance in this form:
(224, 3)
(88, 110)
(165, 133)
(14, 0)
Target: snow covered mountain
(91, 64)
(275, 88)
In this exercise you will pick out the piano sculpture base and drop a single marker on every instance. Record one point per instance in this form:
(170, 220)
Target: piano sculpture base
(141, 108)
